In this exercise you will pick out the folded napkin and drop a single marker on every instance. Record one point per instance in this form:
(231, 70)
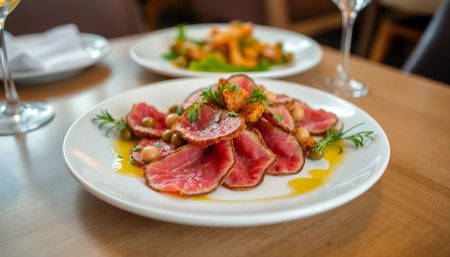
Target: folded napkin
(58, 48)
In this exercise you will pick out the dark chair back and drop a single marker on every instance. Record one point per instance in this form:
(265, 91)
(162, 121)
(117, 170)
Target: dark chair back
(109, 18)
(431, 57)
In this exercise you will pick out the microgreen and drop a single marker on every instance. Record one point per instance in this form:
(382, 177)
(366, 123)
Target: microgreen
(278, 117)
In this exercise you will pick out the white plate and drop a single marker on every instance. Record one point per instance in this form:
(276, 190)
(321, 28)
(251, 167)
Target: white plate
(95, 46)
(148, 51)
(88, 155)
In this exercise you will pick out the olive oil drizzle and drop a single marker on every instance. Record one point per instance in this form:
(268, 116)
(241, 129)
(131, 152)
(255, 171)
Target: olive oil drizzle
(317, 177)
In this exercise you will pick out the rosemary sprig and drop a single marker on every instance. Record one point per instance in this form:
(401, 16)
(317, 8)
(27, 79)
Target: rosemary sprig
(258, 95)
(104, 118)
(334, 136)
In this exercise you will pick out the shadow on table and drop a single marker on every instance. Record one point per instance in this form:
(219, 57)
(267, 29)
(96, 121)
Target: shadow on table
(127, 234)
(86, 79)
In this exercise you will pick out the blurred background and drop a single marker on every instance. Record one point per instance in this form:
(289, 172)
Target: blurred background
(386, 31)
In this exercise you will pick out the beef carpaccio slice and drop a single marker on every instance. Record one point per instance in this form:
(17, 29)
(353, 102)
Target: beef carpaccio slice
(315, 121)
(194, 97)
(191, 170)
(279, 115)
(243, 81)
(253, 158)
(163, 147)
(213, 125)
(139, 112)
(289, 154)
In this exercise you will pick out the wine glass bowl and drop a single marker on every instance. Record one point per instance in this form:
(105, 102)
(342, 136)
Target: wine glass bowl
(341, 83)
(17, 116)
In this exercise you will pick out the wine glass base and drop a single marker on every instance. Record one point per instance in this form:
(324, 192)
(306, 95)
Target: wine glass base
(24, 117)
(345, 88)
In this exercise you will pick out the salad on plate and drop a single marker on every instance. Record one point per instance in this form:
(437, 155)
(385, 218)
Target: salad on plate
(231, 49)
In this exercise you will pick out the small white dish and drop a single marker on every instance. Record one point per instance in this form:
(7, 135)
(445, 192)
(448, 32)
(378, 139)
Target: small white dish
(88, 155)
(148, 51)
(95, 46)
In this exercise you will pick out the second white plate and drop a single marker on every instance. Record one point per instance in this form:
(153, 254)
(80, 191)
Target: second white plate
(95, 46)
(148, 51)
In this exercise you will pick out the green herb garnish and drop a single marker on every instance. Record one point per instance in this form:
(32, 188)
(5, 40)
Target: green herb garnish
(217, 117)
(334, 136)
(106, 119)
(258, 95)
(216, 96)
(233, 114)
(192, 112)
(181, 31)
(170, 55)
(278, 117)
(214, 64)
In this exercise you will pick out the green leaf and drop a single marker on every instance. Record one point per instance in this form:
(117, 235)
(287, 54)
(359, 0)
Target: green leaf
(278, 117)
(258, 95)
(233, 114)
(192, 112)
(181, 31)
(170, 55)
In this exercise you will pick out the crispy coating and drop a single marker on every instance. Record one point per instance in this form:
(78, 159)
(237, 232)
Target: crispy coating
(306, 143)
(252, 112)
(235, 101)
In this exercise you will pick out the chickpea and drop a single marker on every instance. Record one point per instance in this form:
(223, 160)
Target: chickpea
(148, 122)
(297, 113)
(149, 154)
(271, 97)
(301, 133)
(171, 119)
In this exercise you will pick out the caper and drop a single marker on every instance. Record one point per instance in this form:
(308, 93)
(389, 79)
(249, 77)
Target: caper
(167, 135)
(125, 134)
(314, 155)
(333, 130)
(298, 113)
(171, 119)
(301, 133)
(148, 122)
(177, 140)
(149, 153)
(174, 109)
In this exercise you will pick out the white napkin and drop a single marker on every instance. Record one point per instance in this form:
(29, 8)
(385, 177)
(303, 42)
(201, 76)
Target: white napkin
(58, 48)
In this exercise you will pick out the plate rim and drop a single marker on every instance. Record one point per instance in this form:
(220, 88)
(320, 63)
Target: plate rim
(178, 72)
(218, 220)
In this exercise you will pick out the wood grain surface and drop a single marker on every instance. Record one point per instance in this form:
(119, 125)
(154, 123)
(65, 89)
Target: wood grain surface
(45, 212)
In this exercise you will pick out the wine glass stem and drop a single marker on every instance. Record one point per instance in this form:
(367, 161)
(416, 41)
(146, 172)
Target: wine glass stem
(12, 98)
(348, 19)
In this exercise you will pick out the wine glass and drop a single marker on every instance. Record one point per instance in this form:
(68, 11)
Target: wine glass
(341, 84)
(16, 116)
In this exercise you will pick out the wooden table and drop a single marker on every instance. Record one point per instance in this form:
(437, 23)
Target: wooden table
(45, 212)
